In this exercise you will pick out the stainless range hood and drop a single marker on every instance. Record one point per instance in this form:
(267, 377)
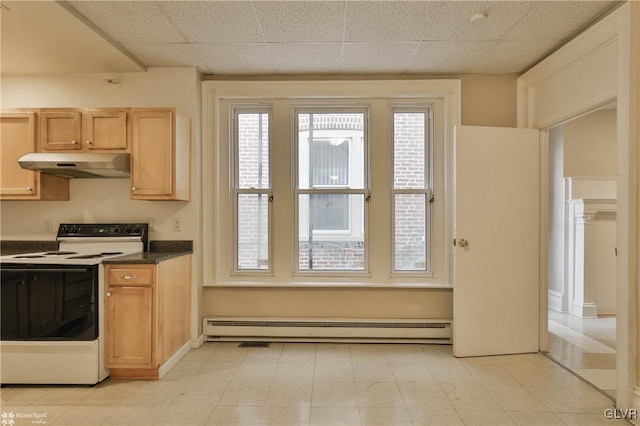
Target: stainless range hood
(81, 165)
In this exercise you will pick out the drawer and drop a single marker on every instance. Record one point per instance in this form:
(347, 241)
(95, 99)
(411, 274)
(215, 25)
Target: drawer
(129, 276)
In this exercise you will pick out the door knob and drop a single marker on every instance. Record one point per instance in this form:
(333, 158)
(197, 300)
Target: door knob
(463, 243)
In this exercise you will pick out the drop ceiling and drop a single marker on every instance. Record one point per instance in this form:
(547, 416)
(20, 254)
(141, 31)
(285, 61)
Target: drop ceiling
(289, 37)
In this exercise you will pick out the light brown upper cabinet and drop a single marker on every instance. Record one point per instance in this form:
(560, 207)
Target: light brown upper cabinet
(18, 137)
(100, 130)
(160, 155)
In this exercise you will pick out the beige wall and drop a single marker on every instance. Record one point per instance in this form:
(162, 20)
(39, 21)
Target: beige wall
(487, 100)
(325, 302)
(590, 145)
(107, 200)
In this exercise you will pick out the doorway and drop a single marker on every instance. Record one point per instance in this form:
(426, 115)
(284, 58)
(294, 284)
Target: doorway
(582, 246)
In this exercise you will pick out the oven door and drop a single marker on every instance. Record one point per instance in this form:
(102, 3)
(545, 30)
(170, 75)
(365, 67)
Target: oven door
(49, 302)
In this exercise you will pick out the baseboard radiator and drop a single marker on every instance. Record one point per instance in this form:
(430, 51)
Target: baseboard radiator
(327, 330)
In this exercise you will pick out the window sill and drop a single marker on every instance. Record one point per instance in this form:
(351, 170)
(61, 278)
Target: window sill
(336, 285)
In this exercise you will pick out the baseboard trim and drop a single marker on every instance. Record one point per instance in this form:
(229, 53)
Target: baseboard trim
(196, 343)
(555, 301)
(164, 368)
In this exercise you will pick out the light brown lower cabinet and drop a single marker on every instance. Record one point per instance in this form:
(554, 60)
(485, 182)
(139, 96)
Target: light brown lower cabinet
(147, 317)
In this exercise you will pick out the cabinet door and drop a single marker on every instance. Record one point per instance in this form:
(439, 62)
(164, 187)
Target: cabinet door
(60, 130)
(153, 154)
(105, 130)
(129, 326)
(17, 137)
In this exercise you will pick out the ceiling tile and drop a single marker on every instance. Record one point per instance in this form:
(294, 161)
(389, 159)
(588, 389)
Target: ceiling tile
(235, 58)
(130, 21)
(449, 57)
(165, 54)
(301, 21)
(452, 22)
(558, 20)
(513, 57)
(297, 58)
(291, 37)
(214, 21)
(389, 21)
(377, 57)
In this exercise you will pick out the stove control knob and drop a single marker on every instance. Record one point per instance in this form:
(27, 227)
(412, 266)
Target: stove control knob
(127, 229)
(115, 230)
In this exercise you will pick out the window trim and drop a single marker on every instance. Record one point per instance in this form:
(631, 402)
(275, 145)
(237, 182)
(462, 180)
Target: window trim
(324, 108)
(427, 190)
(234, 111)
(217, 94)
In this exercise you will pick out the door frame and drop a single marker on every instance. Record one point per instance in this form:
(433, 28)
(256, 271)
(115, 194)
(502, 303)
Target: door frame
(600, 65)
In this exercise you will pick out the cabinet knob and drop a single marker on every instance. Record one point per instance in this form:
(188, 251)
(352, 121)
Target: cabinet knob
(108, 294)
(128, 277)
(89, 142)
(134, 188)
(74, 142)
(29, 188)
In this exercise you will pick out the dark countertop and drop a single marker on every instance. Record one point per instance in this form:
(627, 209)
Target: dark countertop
(158, 250)
(147, 257)
(8, 248)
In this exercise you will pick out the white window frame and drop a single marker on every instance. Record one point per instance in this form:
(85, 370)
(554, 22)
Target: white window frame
(234, 111)
(334, 108)
(216, 208)
(427, 190)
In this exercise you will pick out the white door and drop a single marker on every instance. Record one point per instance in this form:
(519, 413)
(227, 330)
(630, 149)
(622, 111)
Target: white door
(496, 253)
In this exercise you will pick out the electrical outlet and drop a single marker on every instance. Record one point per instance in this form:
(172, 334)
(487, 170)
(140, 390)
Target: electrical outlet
(152, 224)
(48, 226)
(177, 224)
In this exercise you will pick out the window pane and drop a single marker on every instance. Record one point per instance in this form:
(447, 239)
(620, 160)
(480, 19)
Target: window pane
(329, 164)
(410, 232)
(253, 150)
(331, 150)
(329, 212)
(408, 150)
(331, 232)
(253, 231)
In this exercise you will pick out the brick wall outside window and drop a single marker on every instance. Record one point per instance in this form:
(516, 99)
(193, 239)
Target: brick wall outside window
(327, 253)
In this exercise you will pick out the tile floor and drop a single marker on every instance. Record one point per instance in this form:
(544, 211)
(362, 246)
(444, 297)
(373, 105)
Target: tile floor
(326, 384)
(586, 347)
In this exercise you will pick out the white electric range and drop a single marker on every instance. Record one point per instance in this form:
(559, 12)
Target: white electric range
(52, 323)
